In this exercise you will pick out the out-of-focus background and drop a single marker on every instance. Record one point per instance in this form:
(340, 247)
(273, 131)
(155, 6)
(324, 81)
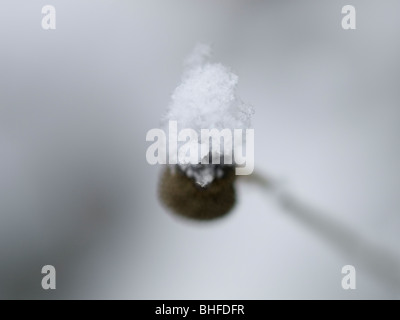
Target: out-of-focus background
(76, 191)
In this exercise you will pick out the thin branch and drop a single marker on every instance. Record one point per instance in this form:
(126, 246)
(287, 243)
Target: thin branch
(380, 262)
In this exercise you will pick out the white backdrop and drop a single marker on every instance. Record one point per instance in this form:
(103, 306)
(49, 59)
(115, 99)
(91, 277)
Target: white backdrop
(76, 104)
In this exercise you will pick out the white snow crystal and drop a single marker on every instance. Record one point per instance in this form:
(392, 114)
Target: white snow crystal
(207, 99)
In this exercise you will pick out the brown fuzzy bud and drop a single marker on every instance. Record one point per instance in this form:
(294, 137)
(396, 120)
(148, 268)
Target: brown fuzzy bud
(186, 198)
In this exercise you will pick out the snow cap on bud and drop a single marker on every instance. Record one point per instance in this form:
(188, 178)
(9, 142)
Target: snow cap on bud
(207, 99)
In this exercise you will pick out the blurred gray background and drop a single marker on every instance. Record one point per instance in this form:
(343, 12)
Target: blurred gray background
(76, 191)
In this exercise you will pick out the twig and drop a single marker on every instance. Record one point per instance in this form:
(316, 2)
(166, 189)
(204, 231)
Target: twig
(381, 263)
